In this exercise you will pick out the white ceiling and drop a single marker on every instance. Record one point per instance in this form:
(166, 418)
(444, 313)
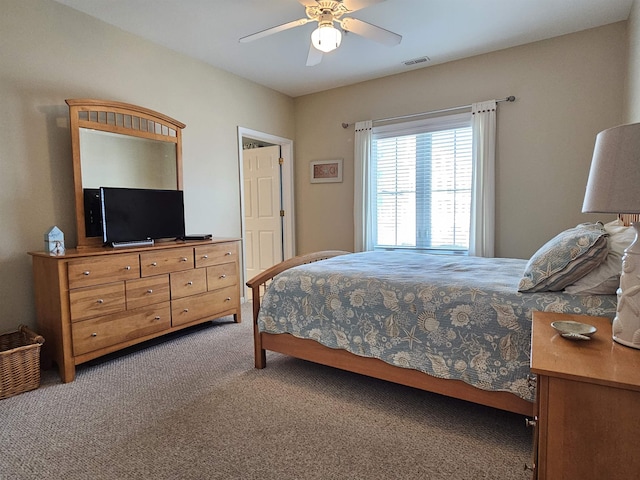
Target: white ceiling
(443, 30)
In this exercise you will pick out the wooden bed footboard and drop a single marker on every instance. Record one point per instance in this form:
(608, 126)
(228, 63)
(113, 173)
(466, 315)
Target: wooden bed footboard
(260, 282)
(315, 352)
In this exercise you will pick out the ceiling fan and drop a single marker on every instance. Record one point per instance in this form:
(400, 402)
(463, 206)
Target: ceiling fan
(327, 37)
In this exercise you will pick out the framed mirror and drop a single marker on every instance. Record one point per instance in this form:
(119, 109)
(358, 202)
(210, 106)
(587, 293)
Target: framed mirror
(116, 144)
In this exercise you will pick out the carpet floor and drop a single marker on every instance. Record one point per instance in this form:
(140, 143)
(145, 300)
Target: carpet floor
(191, 406)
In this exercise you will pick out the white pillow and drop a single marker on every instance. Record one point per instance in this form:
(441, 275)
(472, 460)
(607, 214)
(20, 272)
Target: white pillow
(605, 278)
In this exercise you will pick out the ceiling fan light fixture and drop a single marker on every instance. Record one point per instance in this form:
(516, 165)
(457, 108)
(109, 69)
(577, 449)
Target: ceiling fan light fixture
(326, 38)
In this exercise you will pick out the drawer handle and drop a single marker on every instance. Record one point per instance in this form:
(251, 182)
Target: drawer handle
(94, 334)
(150, 290)
(186, 310)
(228, 299)
(204, 257)
(228, 253)
(128, 267)
(223, 276)
(157, 317)
(86, 273)
(189, 283)
(100, 300)
(154, 264)
(184, 259)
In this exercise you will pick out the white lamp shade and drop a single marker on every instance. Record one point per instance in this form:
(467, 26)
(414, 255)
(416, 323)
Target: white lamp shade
(614, 178)
(326, 38)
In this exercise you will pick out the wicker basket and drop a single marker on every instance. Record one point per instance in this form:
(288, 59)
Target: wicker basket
(19, 361)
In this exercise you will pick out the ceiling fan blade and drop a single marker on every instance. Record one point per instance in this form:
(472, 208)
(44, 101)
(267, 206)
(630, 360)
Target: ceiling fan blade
(314, 57)
(353, 5)
(308, 3)
(272, 30)
(370, 31)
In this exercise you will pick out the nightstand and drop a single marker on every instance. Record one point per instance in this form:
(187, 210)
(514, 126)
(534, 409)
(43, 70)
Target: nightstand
(587, 402)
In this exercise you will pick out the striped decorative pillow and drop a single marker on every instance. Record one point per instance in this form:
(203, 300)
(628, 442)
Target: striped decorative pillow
(565, 259)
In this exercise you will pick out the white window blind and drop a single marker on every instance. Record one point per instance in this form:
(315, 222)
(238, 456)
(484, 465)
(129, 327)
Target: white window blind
(421, 181)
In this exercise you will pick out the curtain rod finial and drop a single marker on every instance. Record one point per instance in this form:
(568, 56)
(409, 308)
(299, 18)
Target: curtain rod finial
(510, 98)
(345, 125)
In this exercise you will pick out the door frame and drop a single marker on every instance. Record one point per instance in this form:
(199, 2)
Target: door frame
(288, 224)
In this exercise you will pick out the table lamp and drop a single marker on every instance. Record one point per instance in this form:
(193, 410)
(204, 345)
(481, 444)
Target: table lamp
(614, 187)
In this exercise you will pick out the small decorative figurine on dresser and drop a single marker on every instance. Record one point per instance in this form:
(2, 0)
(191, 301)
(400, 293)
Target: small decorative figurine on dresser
(54, 241)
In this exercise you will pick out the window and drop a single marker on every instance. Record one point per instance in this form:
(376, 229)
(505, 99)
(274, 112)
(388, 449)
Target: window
(421, 174)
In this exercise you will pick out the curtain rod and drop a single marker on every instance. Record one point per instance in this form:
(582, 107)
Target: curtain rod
(510, 98)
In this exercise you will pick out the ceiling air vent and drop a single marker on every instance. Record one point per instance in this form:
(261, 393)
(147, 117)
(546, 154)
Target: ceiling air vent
(416, 61)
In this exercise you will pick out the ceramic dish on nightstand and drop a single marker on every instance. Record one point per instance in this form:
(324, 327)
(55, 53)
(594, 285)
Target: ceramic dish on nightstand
(574, 330)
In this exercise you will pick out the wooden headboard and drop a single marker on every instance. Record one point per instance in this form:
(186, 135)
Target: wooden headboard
(627, 218)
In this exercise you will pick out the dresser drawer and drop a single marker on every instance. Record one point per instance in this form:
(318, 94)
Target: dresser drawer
(165, 261)
(189, 282)
(216, 254)
(103, 269)
(147, 291)
(90, 302)
(189, 309)
(220, 276)
(109, 330)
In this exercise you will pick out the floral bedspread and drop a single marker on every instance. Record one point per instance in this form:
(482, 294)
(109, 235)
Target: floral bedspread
(450, 317)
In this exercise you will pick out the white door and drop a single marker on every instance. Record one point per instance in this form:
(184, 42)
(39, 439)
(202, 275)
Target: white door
(262, 205)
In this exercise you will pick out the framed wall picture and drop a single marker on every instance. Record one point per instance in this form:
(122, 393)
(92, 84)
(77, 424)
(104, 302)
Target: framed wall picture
(326, 171)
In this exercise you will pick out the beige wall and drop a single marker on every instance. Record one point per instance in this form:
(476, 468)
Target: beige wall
(568, 89)
(632, 100)
(48, 53)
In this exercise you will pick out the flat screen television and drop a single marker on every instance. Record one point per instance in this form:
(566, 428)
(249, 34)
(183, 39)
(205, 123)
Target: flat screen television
(138, 214)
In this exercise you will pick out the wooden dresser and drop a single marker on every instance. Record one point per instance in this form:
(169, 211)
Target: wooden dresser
(588, 403)
(95, 301)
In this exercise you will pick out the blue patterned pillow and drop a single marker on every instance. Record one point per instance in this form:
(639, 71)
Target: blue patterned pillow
(566, 258)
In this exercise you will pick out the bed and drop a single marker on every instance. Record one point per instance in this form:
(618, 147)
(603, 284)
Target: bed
(453, 325)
